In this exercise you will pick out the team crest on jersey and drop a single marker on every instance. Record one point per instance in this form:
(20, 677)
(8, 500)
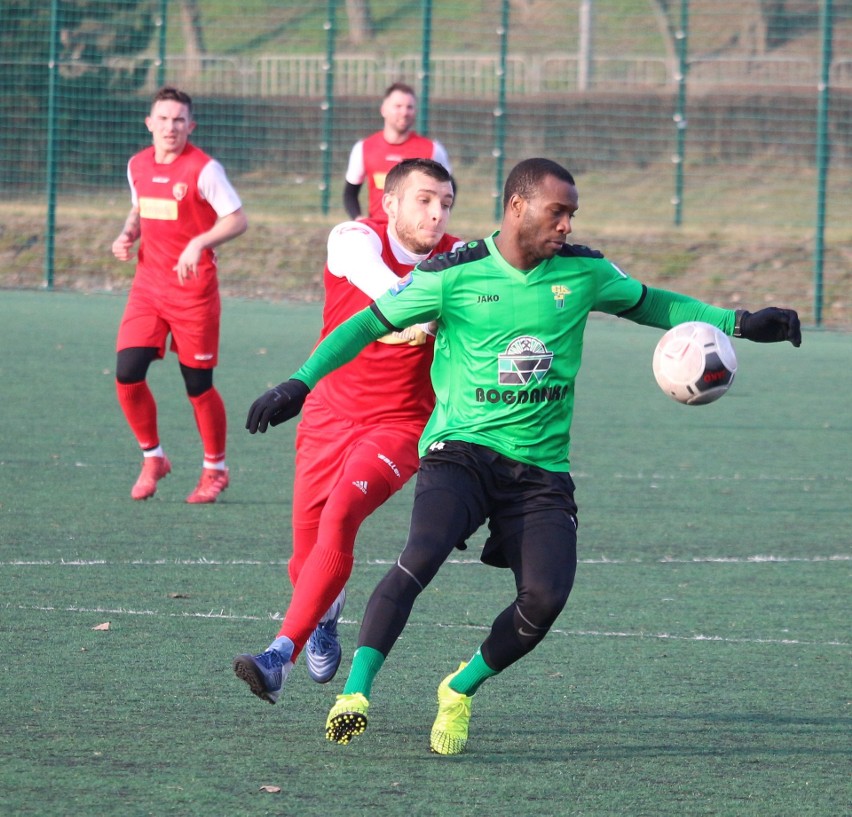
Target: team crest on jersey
(525, 358)
(401, 284)
(179, 190)
(559, 292)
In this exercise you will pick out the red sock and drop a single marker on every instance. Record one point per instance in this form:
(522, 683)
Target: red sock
(212, 423)
(140, 411)
(321, 579)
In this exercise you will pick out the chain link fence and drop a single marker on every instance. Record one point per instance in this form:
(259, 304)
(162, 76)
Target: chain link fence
(692, 115)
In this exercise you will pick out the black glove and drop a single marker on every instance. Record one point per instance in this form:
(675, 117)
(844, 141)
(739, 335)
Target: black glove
(275, 406)
(770, 325)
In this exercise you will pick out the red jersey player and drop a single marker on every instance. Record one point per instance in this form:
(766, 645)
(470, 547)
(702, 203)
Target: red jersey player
(356, 444)
(372, 158)
(182, 207)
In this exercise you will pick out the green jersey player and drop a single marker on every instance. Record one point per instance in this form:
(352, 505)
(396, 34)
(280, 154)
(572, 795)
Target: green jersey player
(511, 310)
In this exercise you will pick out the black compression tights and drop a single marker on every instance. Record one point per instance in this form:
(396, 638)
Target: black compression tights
(543, 562)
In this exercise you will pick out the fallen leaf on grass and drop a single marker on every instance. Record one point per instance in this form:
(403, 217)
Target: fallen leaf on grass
(271, 789)
(104, 626)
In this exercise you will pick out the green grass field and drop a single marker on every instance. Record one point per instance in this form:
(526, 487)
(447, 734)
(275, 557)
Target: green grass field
(701, 667)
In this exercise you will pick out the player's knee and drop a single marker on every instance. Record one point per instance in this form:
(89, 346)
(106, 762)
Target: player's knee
(353, 500)
(418, 565)
(541, 602)
(131, 365)
(197, 381)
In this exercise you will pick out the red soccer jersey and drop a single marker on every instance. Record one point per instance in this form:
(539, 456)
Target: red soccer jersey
(384, 383)
(380, 156)
(172, 211)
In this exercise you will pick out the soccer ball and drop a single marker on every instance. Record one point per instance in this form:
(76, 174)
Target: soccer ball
(694, 363)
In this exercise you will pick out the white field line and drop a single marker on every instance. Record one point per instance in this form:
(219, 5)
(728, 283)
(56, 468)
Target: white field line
(601, 560)
(277, 616)
(229, 616)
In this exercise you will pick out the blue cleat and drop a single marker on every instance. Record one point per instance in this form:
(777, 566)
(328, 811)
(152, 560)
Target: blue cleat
(266, 673)
(323, 652)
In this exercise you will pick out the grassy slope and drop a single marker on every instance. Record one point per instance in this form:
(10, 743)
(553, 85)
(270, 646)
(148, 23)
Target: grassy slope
(621, 27)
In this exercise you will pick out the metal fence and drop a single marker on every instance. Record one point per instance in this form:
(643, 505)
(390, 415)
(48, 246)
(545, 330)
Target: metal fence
(706, 106)
(460, 76)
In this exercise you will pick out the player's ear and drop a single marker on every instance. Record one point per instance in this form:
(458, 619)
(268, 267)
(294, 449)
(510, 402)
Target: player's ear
(390, 205)
(516, 205)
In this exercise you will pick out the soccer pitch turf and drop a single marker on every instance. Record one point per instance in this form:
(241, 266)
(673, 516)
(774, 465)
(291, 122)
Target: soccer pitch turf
(701, 666)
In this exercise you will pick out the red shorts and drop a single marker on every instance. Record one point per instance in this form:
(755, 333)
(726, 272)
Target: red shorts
(330, 449)
(149, 318)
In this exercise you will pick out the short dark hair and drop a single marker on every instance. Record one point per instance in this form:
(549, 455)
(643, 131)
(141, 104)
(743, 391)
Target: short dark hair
(172, 94)
(527, 175)
(399, 86)
(398, 173)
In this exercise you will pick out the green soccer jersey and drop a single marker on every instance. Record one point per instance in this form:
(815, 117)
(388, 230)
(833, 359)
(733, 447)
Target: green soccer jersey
(509, 343)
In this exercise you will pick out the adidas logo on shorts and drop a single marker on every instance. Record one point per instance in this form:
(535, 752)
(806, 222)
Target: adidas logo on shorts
(361, 485)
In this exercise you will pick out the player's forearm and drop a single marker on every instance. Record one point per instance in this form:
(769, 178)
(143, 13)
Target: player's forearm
(132, 225)
(664, 309)
(350, 199)
(226, 228)
(341, 346)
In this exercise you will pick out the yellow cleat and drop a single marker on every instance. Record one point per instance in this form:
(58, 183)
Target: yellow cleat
(449, 732)
(347, 718)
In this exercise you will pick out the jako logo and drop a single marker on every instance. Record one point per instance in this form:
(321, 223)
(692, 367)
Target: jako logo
(487, 299)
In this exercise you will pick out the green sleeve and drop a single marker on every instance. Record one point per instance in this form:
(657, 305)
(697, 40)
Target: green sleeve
(665, 309)
(341, 346)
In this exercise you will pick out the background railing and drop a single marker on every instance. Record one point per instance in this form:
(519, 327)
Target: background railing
(708, 115)
(469, 76)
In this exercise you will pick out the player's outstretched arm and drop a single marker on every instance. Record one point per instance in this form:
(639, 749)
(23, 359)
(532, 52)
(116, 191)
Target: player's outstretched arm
(770, 325)
(665, 309)
(285, 401)
(277, 405)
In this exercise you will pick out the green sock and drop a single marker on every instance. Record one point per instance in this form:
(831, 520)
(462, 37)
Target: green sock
(473, 676)
(366, 663)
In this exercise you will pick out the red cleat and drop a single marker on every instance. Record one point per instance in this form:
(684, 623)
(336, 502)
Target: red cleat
(153, 470)
(211, 484)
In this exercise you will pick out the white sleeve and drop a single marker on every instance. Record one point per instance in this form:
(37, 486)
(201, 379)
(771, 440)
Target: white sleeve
(355, 172)
(440, 155)
(134, 197)
(355, 253)
(215, 187)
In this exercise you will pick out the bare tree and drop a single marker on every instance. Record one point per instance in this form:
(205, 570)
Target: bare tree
(193, 36)
(360, 21)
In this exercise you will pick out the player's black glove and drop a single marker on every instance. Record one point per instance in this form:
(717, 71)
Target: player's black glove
(275, 406)
(770, 325)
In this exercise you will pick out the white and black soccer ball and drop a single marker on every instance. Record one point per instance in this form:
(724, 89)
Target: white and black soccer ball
(694, 363)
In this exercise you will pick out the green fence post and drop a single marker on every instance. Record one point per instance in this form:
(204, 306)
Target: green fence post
(680, 110)
(53, 75)
(423, 108)
(327, 107)
(822, 154)
(500, 111)
(161, 43)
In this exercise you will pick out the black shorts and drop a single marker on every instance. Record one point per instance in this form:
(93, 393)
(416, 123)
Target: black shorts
(521, 502)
